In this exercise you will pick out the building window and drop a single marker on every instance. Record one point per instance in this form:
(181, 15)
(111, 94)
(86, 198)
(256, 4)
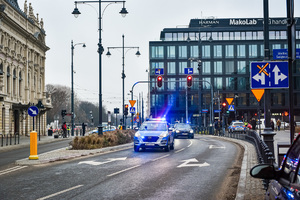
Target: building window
(220, 35)
(171, 68)
(237, 35)
(206, 83)
(254, 35)
(171, 84)
(218, 51)
(218, 67)
(194, 65)
(182, 51)
(277, 99)
(241, 83)
(157, 52)
(272, 35)
(229, 67)
(229, 53)
(248, 35)
(241, 67)
(195, 84)
(168, 36)
(182, 83)
(253, 51)
(230, 83)
(156, 65)
(242, 99)
(214, 35)
(262, 50)
(174, 36)
(180, 36)
(171, 52)
(171, 100)
(276, 46)
(205, 51)
(225, 35)
(206, 68)
(1, 68)
(260, 35)
(241, 51)
(194, 52)
(182, 65)
(218, 83)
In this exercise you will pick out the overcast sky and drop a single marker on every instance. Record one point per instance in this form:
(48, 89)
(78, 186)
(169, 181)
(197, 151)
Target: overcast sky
(144, 22)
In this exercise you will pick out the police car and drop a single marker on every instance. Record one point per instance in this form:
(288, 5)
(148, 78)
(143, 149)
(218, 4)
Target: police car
(237, 126)
(154, 134)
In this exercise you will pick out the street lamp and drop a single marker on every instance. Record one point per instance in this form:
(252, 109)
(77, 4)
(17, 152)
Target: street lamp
(72, 84)
(76, 13)
(123, 74)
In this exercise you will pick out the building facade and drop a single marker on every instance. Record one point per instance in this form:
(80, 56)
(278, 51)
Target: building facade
(22, 69)
(220, 52)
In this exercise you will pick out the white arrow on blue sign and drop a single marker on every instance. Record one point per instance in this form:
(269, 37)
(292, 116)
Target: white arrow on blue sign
(33, 111)
(159, 71)
(266, 75)
(188, 70)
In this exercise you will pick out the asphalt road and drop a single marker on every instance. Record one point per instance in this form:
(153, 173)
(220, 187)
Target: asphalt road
(196, 169)
(8, 158)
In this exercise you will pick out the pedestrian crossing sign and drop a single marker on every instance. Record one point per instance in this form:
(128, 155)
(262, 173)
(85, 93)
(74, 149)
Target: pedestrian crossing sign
(231, 108)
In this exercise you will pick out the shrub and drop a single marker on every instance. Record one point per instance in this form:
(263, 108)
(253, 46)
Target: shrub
(110, 138)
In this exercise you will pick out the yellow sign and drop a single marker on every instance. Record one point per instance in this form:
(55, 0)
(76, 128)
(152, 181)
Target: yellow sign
(258, 93)
(132, 102)
(229, 100)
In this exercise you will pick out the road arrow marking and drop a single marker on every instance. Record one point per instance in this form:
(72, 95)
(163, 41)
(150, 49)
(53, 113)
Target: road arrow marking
(101, 163)
(186, 163)
(278, 77)
(33, 111)
(215, 147)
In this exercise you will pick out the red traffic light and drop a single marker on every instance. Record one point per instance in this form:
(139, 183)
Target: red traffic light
(189, 81)
(159, 81)
(224, 104)
(126, 105)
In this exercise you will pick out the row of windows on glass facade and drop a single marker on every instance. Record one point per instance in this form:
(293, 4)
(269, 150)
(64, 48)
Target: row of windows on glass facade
(247, 35)
(278, 99)
(212, 51)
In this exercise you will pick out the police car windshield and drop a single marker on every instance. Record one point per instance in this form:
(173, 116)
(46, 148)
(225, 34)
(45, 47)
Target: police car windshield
(182, 126)
(238, 124)
(154, 126)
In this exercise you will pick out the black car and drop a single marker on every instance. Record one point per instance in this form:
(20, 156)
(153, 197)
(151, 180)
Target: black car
(182, 129)
(285, 181)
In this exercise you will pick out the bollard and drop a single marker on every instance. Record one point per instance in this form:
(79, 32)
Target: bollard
(33, 146)
(1, 140)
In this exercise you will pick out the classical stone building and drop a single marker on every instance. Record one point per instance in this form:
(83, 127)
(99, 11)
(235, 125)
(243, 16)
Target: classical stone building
(22, 69)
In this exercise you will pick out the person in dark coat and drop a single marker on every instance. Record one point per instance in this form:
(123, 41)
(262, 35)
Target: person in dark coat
(272, 125)
(253, 124)
(83, 129)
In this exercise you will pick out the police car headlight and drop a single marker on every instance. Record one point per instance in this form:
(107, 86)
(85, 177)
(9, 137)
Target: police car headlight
(164, 134)
(191, 131)
(177, 131)
(137, 134)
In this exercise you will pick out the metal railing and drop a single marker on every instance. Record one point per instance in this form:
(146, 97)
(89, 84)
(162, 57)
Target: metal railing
(10, 139)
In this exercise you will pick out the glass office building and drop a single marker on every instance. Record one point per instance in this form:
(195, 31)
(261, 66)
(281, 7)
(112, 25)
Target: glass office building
(220, 52)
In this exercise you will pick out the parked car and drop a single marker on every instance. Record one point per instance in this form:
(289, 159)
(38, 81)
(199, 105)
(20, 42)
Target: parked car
(154, 134)
(285, 181)
(237, 126)
(182, 129)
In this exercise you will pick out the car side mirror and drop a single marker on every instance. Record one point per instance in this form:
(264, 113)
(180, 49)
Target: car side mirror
(263, 171)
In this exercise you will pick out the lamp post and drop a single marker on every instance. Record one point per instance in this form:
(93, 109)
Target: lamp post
(123, 73)
(72, 84)
(76, 13)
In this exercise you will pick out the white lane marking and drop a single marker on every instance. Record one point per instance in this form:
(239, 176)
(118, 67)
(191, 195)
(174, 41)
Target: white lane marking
(216, 147)
(55, 194)
(124, 170)
(179, 150)
(6, 171)
(186, 163)
(101, 163)
(160, 157)
(191, 142)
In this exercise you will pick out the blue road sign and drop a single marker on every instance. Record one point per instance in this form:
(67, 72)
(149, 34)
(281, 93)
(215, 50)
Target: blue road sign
(266, 75)
(132, 110)
(159, 71)
(188, 70)
(217, 111)
(33, 111)
(282, 54)
(231, 108)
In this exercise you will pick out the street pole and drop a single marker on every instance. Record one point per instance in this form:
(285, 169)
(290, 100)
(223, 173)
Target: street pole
(72, 90)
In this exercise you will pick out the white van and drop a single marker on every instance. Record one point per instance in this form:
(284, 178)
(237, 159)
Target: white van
(262, 123)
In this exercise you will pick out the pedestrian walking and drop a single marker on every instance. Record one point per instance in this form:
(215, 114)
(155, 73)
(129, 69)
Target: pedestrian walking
(278, 123)
(64, 128)
(272, 125)
(253, 124)
(83, 128)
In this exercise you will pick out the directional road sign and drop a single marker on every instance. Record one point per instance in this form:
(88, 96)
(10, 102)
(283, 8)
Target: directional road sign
(217, 111)
(204, 110)
(188, 70)
(266, 75)
(33, 111)
(159, 71)
(132, 110)
(231, 108)
(282, 54)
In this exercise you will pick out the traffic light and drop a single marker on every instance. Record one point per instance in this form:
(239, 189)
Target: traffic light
(224, 107)
(126, 109)
(159, 81)
(189, 80)
(63, 113)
